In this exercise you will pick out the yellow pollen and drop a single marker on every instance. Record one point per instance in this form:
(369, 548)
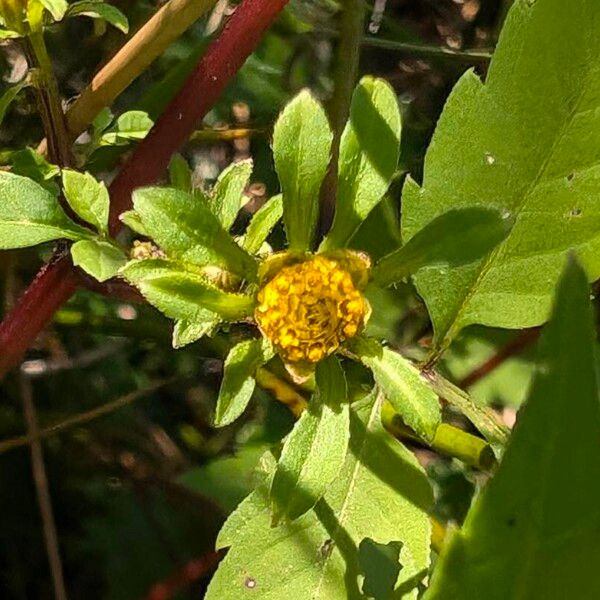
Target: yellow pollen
(308, 309)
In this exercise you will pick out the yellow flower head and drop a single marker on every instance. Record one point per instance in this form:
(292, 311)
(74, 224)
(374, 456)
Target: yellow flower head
(308, 309)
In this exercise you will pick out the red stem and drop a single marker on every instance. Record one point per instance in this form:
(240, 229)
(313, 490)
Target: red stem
(195, 569)
(56, 282)
(517, 345)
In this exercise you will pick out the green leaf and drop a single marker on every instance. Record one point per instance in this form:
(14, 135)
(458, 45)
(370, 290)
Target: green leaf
(262, 223)
(9, 95)
(87, 197)
(381, 492)
(185, 228)
(403, 386)
(455, 238)
(369, 152)
(187, 332)
(180, 174)
(228, 193)
(379, 563)
(30, 215)
(30, 163)
(182, 294)
(98, 258)
(57, 8)
(301, 150)
(133, 221)
(238, 379)
(533, 532)
(99, 10)
(314, 452)
(132, 125)
(525, 144)
(8, 34)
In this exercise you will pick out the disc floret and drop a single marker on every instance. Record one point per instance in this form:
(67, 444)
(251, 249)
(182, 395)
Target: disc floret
(308, 309)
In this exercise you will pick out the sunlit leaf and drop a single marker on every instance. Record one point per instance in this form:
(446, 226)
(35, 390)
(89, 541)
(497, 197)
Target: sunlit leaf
(183, 294)
(369, 151)
(184, 226)
(98, 258)
(301, 149)
(314, 452)
(381, 493)
(238, 379)
(97, 9)
(263, 221)
(228, 192)
(403, 386)
(87, 197)
(30, 215)
(526, 143)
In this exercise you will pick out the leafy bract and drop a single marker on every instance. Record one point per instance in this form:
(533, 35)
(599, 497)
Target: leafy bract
(403, 386)
(87, 197)
(57, 8)
(381, 493)
(187, 332)
(134, 222)
(455, 238)
(228, 193)
(314, 452)
(263, 221)
(131, 125)
(533, 533)
(238, 378)
(301, 149)
(184, 226)
(369, 151)
(30, 215)
(527, 143)
(180, 174)
(183, 294)
(98, 258)
(96, 9)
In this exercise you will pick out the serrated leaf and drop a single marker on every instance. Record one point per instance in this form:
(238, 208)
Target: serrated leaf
(183, 294)
(184, 226)
(98, 258)
(133, 221)
(381, 493)
(180, 174)
(457, 237)
(533, 532)
(9, 95)
(238, 379)
(132, 125)
(30, 215)
(401, 382)
(57, 8)
(301, 150)
(186, 332)
(87, 197)
(369, 152)
(524, 143)
(228, 192)
(262, 223)
(314, 452)
(99, 10)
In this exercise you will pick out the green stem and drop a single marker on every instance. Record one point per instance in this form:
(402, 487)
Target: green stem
(49, 100)
(448, 440)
